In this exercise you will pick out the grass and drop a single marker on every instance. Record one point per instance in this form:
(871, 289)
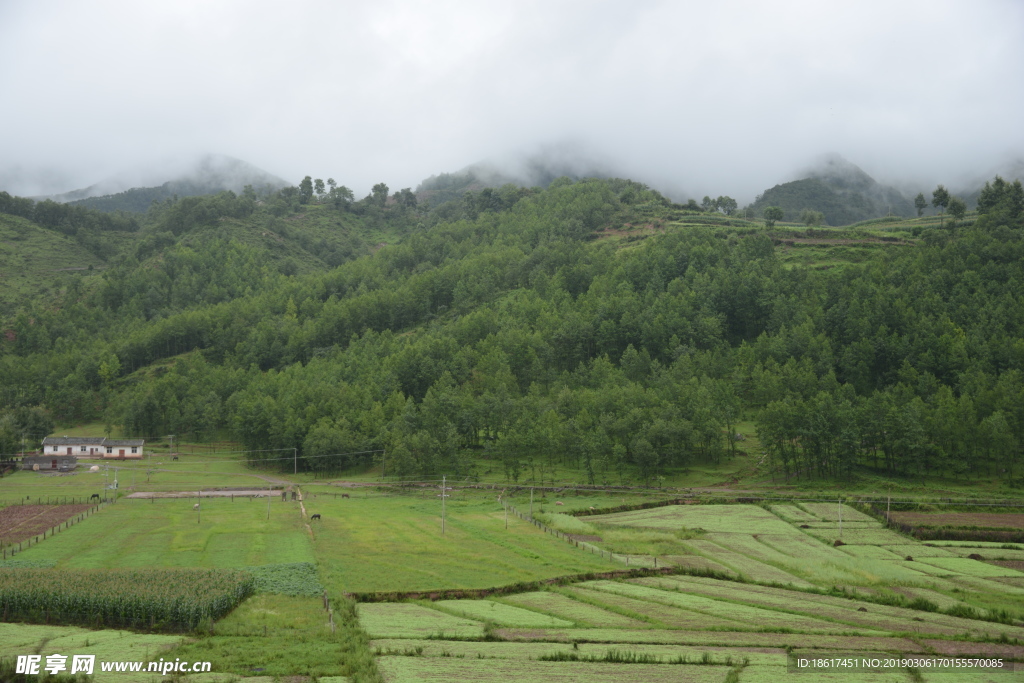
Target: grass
(278, 636)
(410, 620)
(169, 533)
(358, 537)
(500, 614)
(564, 607)
(726, 518)
(35, 261)
(106, 644)
(503, 670)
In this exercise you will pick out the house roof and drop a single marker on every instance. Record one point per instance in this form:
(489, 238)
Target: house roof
(90, 441)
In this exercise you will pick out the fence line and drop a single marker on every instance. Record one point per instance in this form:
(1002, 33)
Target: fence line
(589, 547)
(9, 551)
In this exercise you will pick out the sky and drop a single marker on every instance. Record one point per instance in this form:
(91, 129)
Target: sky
(693, 98)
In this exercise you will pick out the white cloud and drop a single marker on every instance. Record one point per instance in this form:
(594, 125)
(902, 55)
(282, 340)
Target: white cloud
(716, 98)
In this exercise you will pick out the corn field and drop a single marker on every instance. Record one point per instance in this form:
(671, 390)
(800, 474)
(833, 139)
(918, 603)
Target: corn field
(159, 599)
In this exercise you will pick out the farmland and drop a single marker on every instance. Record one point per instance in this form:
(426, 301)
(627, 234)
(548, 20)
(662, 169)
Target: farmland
(21, 522)
(779, 582)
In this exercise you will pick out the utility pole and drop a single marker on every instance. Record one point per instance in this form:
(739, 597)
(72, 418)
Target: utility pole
(268, 502)
(199, 507)
(531, 502)
(295, 458)
(506, 515)
(840, 518)
(443, 496)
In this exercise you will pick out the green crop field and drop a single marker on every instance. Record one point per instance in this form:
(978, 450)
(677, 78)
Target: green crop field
(170, 533)
(605, 629)
(500, 614)
(356, 537)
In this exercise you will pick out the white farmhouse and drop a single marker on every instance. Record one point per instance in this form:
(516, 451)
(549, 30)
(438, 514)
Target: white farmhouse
(94, 447)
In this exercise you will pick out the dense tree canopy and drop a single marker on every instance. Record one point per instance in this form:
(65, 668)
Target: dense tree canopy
(498, 330)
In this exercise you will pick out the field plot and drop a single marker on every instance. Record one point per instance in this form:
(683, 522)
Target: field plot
(917, 550)
(415, 669)
(501, 614)
(658, 615)
(860, 536)
(715, 639)
(744, 564)
(885, 617)
(535, 650)
(963, 565)
(987, 553)
(873, 552)
(767, 619)
(409, 620)
(981, 520)
(170, 533)
(830, 512)
(791, 513)
(358, 538)
(747, 519)
(578, 612)
(977, 544)
(844, 612)
(22, 522)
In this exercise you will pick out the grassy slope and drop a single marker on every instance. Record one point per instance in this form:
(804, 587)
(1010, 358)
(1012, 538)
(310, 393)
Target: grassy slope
(33, 262)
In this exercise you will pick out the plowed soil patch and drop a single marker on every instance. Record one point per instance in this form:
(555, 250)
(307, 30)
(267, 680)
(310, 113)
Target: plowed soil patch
(21, 522)
(1011, 564)
(985, 520)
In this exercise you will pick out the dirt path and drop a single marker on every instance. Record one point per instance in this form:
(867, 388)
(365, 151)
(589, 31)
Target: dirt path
(241, 493)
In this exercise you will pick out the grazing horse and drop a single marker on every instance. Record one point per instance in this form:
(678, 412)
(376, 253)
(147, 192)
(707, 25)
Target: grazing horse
(344, 495)
(316, 516)
(174, 458)
(95, 495)
(196, 506)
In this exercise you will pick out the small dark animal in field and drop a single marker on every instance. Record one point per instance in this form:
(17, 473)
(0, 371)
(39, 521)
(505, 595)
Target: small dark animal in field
(862, 609)
(909, 558)
(316, 516)
(95, 495)
(838, 543)
(975, 556)
(344, 495)
(805, 526)
(174, 458)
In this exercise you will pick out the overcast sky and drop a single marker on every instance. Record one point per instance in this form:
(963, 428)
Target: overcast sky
(694, 97)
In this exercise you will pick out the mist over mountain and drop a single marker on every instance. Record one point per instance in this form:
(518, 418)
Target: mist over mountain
(840, 190)
(136, 191)
(534, 169)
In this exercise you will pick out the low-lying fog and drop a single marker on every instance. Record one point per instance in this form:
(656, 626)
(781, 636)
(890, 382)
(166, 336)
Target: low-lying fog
(693, 98)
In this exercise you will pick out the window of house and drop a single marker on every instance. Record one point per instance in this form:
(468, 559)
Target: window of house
(54, 449)
(109, 449)
(135, 449)
(82, 449)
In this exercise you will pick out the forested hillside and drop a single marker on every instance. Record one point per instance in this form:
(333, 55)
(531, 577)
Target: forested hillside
(591, 325)
(840, 190)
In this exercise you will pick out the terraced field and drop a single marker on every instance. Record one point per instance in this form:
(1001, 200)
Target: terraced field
(777, 582)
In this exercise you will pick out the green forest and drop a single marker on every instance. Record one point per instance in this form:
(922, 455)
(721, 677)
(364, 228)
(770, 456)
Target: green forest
(592, 325)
